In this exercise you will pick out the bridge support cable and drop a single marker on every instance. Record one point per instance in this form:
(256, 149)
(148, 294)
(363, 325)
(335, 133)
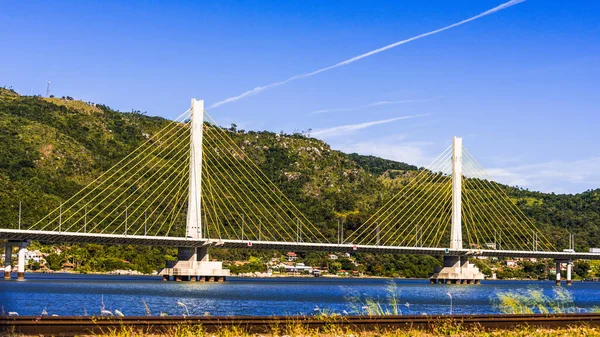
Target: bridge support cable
(431, 213)
(237, 184)
(501, 219)
(472, 240)
(366, 228)
(240, 187)
(143, 173)
(155, 189)
(491, 219)
(443, 235)
(403, 208)
(410, 192)
(259, 193)
(209, 203)
(104, 177)
(480, 215)
(176, 211)
(180, 200)
(409, 208)
(163, 172)
(421, 210)
(232, 192)
(435, 220)
(509, 204)
(150, 188)
(233, 189)
(473, 224)
(443, 218)
(104, 180)
(515, 221)
(483, 209)
(124, 185)
(131, 187)
(216, 203)
(176, 178)
(252, 203)
(421, 195)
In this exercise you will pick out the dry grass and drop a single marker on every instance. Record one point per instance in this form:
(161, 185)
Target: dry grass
(298, 330)
(293, 329)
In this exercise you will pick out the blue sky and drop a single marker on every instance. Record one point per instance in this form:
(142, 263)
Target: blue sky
(520, 85)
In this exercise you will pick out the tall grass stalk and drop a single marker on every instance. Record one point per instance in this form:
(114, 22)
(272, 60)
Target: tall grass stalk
(534, 301)
(373, 307)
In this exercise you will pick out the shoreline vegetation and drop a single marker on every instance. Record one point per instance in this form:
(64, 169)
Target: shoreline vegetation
(283, 276)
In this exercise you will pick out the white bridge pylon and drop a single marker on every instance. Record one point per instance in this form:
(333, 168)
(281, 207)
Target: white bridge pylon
(456, 229)
(193, 221)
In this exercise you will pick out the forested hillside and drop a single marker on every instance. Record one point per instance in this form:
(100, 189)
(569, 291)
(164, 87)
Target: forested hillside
(52, 147)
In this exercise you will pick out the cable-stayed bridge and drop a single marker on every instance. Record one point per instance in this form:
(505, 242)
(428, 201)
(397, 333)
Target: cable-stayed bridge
(193, 185)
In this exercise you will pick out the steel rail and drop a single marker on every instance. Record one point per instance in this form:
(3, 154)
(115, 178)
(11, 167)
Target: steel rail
(78, 325)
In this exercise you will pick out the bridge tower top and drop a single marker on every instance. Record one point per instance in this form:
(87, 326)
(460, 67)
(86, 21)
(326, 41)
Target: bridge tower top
(456, 230)
(193, 219)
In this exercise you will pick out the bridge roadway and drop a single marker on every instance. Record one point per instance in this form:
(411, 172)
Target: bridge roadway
(166, 241)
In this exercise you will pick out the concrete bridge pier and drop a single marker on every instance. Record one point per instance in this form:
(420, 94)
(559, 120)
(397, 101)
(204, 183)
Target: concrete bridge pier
(193, 265)
(8, 247)
(21, 262)
(569, 271)
(457, 270)
(7, 261)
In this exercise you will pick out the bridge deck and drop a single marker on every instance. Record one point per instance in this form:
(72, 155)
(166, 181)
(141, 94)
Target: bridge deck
(166, 241)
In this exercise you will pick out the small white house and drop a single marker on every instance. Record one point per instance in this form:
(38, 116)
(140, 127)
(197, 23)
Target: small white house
(33, 256)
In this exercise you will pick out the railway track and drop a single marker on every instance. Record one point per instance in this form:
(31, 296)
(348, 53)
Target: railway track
(82, 325)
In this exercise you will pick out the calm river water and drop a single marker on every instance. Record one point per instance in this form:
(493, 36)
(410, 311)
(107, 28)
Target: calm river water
(65, 294)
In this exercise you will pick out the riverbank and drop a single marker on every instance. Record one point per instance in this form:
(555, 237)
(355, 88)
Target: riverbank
(282, 276)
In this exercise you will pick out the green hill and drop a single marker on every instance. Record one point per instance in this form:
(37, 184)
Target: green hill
(52, 147)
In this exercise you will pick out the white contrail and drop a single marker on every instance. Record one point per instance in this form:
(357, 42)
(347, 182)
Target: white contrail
(345, 129)
(370, 105)
(356, 58)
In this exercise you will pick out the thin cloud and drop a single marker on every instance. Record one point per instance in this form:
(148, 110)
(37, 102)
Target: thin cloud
(395, 147)
(258, 90)
(346, 129)
(370, 105)
(553, 176)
